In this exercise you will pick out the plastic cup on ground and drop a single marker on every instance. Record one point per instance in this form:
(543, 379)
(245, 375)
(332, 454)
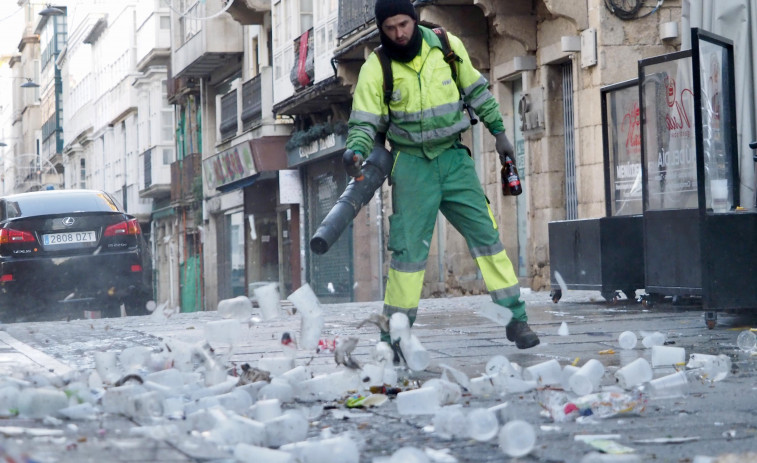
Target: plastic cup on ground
(409, 455)
(567, 372)
(747, 341)
(339, 449)
(481, 386)
(637, 372)
(587, 378)
(247, 453)
(482, 424)
(668, 356)
(627, 340)
(653, 339)
(517, 438)
(449, 392)
(544, 373)
(269, 300)
(668, 386)
(710, 367)
(422, 401)
(447, 421)
(498, 364)
(416, 356)
(563, 330)
(291, 426)
(41, 402)
(399, 326)
(266, 410)
(106, 365)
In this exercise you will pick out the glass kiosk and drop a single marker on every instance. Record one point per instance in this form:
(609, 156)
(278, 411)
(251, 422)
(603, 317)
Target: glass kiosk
(697, 242)
(606, 254)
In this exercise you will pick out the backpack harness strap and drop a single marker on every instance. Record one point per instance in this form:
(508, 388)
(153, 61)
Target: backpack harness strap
(450, 57)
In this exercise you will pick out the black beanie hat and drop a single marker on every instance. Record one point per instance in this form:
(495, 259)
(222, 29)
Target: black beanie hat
(388, 8)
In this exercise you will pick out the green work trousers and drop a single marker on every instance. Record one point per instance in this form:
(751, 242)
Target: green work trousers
(449, 184)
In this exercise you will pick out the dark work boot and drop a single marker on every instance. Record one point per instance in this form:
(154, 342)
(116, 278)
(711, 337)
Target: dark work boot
(397, 352)
(520, 333)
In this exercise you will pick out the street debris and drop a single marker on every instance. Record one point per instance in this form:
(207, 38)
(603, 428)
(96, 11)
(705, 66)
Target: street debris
(190, 392)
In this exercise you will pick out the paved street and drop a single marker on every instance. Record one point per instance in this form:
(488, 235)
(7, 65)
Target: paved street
(712, 419)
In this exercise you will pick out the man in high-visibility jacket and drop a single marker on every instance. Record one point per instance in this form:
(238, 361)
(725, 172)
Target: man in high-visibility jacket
(432, 171)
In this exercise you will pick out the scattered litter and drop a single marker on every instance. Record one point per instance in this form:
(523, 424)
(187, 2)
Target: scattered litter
(563, 330)
(666, 440)
(609, 446)
(607, 352)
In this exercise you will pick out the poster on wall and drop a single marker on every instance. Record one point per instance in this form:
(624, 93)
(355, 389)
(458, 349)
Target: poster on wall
(669, 135)
(622, 140)
(714, 74)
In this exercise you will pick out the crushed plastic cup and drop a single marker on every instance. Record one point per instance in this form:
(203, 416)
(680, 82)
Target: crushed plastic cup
(627, 340)
(637, 372)
(266, 410)
(291, 426)
(668, 356)
(482, 386)
(416, 356)
(587, 378)
(545, 373)
(517, 438)
(653, 339)
(498, 364)
(399, 326)
(269, 300)
(747, 341)
(482, 424)
(448, 392)
(41, 402)
(339, 449)
(135, 358)
(710, 367)
(246, 453)
(669, 386)
(422, 401)
(8, 400)
(238, 308)
(106, 365)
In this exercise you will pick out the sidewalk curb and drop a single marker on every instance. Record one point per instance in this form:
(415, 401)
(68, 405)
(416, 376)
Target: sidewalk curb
(40, 358)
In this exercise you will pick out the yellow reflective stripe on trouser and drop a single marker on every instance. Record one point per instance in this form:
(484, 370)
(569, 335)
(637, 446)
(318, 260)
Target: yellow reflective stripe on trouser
(403, 288)
(500, 279)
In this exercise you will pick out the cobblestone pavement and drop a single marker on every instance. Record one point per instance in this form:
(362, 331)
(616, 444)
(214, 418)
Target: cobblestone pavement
(712, 419)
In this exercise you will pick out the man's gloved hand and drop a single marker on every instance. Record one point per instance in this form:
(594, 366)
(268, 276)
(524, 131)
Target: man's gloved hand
(504, 147)
(353, 163)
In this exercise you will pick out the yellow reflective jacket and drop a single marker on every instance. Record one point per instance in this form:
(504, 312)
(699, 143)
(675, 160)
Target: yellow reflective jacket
(425, 115)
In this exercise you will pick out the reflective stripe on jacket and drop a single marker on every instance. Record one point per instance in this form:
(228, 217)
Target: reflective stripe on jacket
(424, 116)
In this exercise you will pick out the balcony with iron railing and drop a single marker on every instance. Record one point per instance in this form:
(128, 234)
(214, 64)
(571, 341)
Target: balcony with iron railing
(247, 106)
(354, 15)
(204, 43)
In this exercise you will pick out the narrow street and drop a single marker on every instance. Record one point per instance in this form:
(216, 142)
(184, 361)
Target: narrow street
(710, 419)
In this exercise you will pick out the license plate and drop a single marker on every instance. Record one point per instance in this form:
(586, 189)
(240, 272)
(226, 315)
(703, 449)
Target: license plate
(53, 239)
